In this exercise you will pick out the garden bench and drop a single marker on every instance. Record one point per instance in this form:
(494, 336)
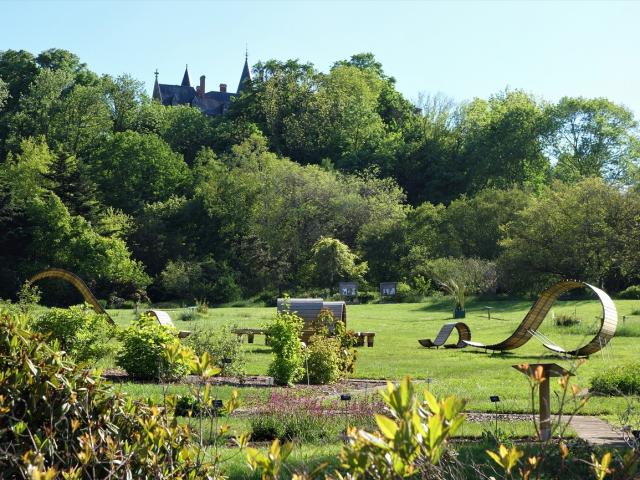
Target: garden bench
(250, 333)
(369, 336)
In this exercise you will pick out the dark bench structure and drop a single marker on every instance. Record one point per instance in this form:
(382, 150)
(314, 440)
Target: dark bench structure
(250, 333)
(464, 334)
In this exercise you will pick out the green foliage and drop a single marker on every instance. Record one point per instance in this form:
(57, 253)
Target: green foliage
(593, 137)
(58, 420)
(28, 296)
(564, 320)
(570, 231)
(619, 380)
(323, 359)
(632, 293)
(132, 168)
(223, 349)
(79, 331)
(284, 338)
(460, 277)
(332, 261)
(189, 315)
(412, 440)
(151, 351)
(404, 292)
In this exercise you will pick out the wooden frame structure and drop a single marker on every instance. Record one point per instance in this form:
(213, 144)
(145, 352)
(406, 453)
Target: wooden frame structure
(539, 311)
(464, 335)
(78, 283)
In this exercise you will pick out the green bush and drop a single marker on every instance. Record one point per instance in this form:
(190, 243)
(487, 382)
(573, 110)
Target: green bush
(58, 421)
(564, 320)
(150, 351)
(323, 362)
(630, 293)
(223, 348)
(366, 296)
(189, 315)
(404, 293)
(81, 332)
(284, 337)
(300, 426)
(623, 379)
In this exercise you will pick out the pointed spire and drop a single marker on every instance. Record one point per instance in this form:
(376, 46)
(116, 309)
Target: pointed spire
(246, 72)
(157, 95)
(185, 79)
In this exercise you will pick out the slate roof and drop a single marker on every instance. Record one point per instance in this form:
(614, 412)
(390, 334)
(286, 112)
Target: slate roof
(176, 94)
(212, 103)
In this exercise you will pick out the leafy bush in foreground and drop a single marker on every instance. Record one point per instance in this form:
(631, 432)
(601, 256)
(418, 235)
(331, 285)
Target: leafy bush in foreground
(60, 421)
(151, 351)
(81, 332)
(284, 337)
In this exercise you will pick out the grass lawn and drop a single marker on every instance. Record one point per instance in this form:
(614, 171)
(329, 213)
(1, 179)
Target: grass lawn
(469, 373)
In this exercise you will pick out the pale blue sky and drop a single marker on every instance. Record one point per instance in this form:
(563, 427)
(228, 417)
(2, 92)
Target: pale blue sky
(462, 49)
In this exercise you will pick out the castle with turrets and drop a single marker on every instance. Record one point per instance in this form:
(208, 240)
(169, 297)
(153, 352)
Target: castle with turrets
(209, 103)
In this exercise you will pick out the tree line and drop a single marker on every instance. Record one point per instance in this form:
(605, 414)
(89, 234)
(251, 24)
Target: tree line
(310, 178)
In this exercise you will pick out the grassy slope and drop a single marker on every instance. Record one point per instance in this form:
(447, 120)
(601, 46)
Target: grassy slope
(469, 373)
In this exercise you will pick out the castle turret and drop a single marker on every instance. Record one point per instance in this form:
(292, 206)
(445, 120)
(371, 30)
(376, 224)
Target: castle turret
(185, 79)
(246, 74)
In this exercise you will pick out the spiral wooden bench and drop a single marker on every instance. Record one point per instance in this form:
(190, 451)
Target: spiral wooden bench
(78, 283)
(539, 311)
(464, 334)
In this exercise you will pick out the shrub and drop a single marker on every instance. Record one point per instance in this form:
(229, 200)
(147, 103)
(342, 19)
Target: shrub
(81, 332)
(284, 337)
(630, 293)
(223, 348)
(404, 293)
(623, 379)
(59, 421)
(564, 320)
(150, 351)
(287, 416)
(366, 297)
(190, 405)
(189, 315)
(202, 306)
(323, 363)
(28, 296)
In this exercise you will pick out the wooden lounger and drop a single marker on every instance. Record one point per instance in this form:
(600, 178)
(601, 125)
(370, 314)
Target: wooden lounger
(464, 335)
(538, 312)
(165, 320)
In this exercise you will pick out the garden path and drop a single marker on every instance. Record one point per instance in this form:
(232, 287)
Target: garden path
(596, 431)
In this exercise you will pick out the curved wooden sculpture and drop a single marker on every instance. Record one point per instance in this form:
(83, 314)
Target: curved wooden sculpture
(77, 282)
(538, 312)
(464, 334)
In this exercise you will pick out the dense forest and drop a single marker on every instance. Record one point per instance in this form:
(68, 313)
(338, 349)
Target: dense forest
(310, 178)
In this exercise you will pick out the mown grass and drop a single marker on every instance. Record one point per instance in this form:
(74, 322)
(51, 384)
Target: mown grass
(468, 373)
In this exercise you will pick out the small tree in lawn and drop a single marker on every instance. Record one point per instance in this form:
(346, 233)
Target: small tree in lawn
(332, 261)
(460, 277)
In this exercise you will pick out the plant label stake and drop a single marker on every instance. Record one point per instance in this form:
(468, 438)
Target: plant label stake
(495, 399)
(548, 371)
